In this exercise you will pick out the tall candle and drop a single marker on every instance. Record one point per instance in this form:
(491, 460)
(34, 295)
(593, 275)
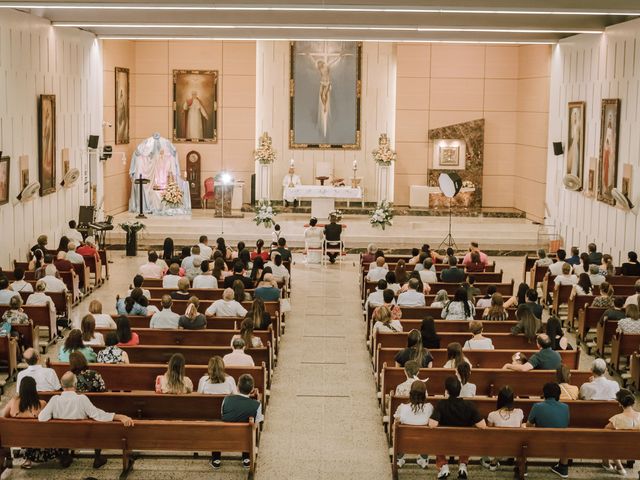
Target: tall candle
(355, 164)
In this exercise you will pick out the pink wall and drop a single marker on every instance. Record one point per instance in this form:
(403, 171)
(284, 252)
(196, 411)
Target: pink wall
(152, 64)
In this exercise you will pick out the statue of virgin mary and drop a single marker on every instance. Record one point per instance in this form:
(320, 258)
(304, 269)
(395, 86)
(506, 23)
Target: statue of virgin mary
(156, 159)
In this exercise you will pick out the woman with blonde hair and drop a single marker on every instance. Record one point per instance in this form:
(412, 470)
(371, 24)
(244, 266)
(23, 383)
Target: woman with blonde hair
(528, 323)
(478, 341)
(455, 356)
(496, 311)
(192, 319)
(102, 319)
(442, 298)
(174, 380)
(567, 391)
(89, 335)
(216, 381)
(246, 333)
(384, 321)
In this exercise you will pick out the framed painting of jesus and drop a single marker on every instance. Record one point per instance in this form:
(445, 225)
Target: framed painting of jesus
(324, 91)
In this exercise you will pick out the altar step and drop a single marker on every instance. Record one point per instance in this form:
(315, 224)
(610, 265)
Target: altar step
(498, 234)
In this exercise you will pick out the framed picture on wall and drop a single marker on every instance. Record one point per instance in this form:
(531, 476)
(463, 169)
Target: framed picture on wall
(449, 154)
(575, 140)
(592, 174)
(324, 94)
(609, 129)
(5, 165)
(47, 144)
(627, 173)
(195, 106)
(122, 105)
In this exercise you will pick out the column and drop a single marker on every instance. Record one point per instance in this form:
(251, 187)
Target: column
(384, 182)
(263, 181)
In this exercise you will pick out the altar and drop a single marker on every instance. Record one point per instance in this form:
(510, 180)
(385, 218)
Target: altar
(323, 197)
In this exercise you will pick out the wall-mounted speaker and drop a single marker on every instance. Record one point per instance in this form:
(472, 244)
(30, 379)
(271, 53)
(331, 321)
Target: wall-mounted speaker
(557, 148)
(93, 141)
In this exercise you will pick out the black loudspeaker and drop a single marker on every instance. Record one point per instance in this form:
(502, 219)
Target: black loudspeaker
(557, 148)
(107, 151)
(86, 215)
(93, 141)
(253, 189)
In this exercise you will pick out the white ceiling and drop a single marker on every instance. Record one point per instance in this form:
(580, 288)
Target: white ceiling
(403, 20)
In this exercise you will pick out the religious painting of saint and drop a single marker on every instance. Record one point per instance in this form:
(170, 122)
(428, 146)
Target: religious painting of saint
(4, 180)
(591, 177)
(47, 144)
(324, 90)
(609, 127)
(122, 105)
(195, 106)
(575, 140)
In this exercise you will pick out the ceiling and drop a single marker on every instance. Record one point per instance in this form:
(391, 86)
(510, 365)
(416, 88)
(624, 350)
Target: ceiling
(509, 21)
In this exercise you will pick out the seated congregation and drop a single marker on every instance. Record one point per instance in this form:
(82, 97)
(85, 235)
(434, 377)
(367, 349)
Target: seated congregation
(200, 330)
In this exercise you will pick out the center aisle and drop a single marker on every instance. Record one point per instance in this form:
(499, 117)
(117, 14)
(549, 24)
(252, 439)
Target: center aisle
(323, 419)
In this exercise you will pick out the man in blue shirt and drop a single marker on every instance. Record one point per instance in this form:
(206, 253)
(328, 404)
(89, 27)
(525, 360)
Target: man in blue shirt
(551, 414)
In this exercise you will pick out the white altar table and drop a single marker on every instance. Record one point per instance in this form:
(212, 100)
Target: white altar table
(323, 197)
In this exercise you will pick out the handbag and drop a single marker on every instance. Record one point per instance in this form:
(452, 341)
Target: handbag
(285, 305)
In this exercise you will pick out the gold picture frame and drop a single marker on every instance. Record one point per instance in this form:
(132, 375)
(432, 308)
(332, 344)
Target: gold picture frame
(195, 106)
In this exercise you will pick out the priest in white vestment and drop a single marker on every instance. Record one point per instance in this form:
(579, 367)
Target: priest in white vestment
(196, 115)
(290, 180)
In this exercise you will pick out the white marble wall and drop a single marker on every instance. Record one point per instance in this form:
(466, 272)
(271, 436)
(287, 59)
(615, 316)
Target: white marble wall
(589, 68)
(377, 114)
(35, 59)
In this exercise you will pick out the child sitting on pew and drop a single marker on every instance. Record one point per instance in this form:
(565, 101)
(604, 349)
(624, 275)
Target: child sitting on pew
(416, 412)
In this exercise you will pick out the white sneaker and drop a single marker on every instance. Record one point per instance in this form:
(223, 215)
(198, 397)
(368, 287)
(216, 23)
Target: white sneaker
(462, 471)
(444, 472)
(400, 462)
(423, 462)
(621, 471)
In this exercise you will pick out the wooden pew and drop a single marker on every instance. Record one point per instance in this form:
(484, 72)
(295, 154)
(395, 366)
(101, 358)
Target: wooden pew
(201, 293)
(148, 405)
(143, 377)
(423, 312)
(605, 330)
(522, 443)
(83, 273)
(584, 413)
(561, 294)
(478, 358)
(29, 334)
(588, 318)
(488, 381)
(9, 355)
(623, 345)
(536, 275)
(459, 325)
(104, 259)
(634, 370)
(61, 300)
(95, 268)
(574, 305)
(213, 323)
(150, 435)
(501, 341)
(40, 315)
(72, 281)
(617, 280)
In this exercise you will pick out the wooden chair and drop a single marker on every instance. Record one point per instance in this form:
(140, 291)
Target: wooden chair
(623, 345)
(209, 191)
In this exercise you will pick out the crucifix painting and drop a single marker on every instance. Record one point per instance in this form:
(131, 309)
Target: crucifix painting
(325, 94)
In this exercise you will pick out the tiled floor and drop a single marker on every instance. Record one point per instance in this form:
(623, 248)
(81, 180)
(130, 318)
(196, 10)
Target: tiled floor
(323, 420)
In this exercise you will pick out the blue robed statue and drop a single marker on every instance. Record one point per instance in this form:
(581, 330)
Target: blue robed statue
(156, 159)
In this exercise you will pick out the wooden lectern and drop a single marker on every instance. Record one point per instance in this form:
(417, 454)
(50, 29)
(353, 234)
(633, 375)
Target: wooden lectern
(140, 182)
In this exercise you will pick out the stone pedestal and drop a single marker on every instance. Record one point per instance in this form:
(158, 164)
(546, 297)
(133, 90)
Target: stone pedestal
(384, 183)
(263, 181)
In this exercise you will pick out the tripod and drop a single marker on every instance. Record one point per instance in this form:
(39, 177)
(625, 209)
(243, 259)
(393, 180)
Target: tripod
(448, 240)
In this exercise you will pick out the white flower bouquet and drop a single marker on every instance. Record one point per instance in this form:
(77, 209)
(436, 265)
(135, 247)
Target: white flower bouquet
(132, 226)
(468, 184)
(383, 155)
(338, 214)
(265, 214)
(172, 195)
(382, 215)
(265, 154)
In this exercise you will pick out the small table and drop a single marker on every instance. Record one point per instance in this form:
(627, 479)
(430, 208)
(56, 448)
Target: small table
(322, 180)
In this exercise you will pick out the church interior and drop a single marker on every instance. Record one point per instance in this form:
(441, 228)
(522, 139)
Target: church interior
(319, 239)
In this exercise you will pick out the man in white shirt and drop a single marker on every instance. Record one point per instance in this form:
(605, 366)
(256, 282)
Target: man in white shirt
(71, 406)
(72, 234)
(556, 268)
(634, 298)
(187, 262)
(151, 269)
(5, 292)
(379, 271)
(72, 255)
(171, 279)
(46, 378)
(53, 283)
(226, 306)
(566, 277)
(594, 275)
(412, 297)
(599, 387)
(376, 298)
(475, 247)
(237, 358)
(165, 318)
(205, 250)
(279, 271)
(205, 279)
(20, 285)
(194, 270)
(426, 274)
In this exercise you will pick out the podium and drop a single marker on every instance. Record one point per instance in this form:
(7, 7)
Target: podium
(140, 182)
(222, 197)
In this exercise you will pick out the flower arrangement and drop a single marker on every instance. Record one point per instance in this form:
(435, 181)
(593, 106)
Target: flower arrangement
(383, 155)
(132, 226)
(468, 184)
(382, 215)
(265, 214)
(337, 214)
(172, 195)
(265, 154)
